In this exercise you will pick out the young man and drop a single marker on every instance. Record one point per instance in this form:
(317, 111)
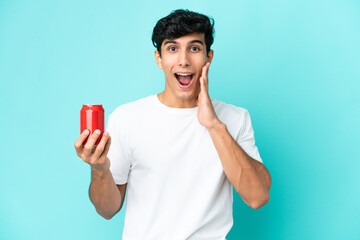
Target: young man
(177, 153)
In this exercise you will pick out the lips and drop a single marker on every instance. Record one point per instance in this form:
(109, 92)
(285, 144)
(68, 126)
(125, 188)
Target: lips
(184, 79)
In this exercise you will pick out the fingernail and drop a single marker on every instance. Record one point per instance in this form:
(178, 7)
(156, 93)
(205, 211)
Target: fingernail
(106, 134)
(97, 131)
(86, 132)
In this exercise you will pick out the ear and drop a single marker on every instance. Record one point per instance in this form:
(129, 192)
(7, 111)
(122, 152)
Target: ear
(158, 59)
(210, 56)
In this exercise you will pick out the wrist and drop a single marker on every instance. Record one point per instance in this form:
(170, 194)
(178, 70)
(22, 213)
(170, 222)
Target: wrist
(99, 171)
(216, 125)
(101, 166)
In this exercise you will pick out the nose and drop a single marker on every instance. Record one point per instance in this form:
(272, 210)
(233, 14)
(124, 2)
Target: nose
(183, 59)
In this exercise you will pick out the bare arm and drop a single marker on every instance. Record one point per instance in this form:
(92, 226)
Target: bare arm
(249, 177)
(105, 195)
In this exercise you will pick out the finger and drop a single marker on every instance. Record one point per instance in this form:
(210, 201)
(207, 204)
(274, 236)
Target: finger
(203, 87)
(100, 148)
(107, 147)
(207, 75)
(79, 142)
(205, 72)
(207, 68)
(205, 82)
(207, 64)
(88, 149)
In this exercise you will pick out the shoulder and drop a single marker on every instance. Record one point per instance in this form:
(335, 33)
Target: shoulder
(131, 108)
(229, 110)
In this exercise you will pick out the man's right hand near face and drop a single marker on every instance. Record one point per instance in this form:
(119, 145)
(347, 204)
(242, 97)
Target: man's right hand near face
(106, 196)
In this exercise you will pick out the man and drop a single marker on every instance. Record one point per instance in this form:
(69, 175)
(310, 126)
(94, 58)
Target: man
(178, 152)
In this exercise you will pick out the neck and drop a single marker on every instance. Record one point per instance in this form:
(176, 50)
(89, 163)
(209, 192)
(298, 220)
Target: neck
(174, 102)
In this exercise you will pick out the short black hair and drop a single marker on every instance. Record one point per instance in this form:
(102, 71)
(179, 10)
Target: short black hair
(181, 23)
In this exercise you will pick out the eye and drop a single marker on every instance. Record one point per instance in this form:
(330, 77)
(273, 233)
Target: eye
(172, 49)
(195, 49)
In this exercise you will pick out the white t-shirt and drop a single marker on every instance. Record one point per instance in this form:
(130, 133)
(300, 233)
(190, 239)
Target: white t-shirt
(176, 185)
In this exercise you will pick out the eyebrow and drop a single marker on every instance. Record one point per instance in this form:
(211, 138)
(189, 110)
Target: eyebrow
(175, 42)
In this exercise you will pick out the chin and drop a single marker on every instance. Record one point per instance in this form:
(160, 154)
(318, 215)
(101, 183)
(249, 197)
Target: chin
(187, 96)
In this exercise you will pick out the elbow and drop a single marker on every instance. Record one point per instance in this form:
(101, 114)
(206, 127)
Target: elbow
(106, 216)
(107, 213)
(258, 204)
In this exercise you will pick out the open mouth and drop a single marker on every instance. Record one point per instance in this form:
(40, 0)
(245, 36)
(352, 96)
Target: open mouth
(184, 79)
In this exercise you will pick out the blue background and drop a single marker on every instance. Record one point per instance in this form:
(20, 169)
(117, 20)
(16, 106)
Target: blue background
(295, 65)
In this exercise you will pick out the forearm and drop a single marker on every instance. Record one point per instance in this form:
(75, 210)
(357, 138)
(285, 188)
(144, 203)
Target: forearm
(104, 193)
(250, 178)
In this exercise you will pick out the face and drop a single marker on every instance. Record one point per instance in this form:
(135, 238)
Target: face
(182, 60)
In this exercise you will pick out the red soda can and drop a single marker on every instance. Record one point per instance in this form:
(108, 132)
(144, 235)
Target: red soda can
(92, 118)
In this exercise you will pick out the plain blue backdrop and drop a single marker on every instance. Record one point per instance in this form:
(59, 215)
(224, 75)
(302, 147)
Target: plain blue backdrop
(295, 65)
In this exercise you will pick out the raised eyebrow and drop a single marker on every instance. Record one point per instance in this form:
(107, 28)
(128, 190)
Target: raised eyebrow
(191, 42)
(170, 41)
(197, 41)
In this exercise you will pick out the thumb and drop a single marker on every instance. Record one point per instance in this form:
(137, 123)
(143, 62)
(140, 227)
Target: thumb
(202, 83)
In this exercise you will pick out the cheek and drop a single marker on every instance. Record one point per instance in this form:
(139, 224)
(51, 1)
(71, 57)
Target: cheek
(168, 76)
(200, 68)
(167, 69)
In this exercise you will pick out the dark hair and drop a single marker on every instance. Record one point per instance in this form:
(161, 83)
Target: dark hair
(180, 23)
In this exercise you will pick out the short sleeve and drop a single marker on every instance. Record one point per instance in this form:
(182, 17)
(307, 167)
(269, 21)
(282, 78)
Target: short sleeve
(246, 139)
(119, 153)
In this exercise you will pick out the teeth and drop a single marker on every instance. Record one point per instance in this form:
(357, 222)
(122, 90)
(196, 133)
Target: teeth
(183, 74)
